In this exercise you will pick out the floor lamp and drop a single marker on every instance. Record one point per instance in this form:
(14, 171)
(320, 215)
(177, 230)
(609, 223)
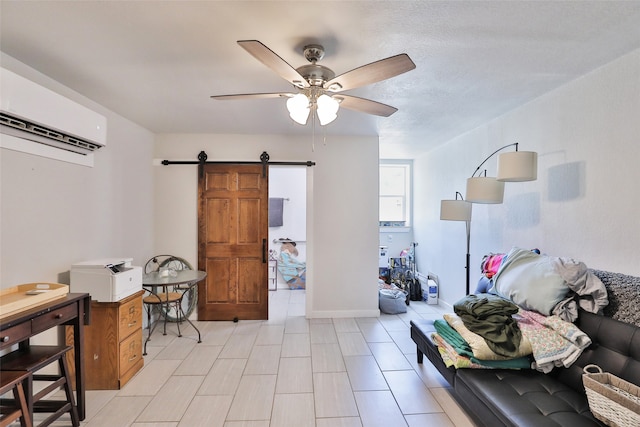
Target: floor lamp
(514, 166)
(458, 210)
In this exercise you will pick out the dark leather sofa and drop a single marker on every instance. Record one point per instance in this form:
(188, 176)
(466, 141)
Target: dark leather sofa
(523, 398)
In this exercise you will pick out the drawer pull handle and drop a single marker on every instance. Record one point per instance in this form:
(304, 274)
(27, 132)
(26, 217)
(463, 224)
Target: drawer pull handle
(132, 323)
(59, 316)
(134, 357)
(132, 310)
(5, 339)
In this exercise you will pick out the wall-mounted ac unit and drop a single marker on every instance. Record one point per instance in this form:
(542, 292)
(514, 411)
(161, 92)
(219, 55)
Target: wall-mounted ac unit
(33, 112)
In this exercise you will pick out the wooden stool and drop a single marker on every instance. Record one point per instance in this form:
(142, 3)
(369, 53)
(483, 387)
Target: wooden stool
(33, 359)
(12, 380)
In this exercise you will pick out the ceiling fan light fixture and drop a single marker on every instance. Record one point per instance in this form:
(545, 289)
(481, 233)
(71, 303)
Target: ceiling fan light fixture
(327, 109)
(298, 106)
(314, 80)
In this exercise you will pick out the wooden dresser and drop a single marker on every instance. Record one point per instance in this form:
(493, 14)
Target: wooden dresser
(113, 343)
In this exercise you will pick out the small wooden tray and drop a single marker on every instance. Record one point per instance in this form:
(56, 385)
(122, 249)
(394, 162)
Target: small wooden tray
(22, 297)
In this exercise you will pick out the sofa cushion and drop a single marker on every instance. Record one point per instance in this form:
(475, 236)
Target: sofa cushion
(615, 348)
(525, 398)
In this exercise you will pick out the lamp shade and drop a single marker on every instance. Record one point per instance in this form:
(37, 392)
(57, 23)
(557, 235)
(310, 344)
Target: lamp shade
(455, 210)
(482, 189)
(518, 166)
(298, 106)
(327, 109)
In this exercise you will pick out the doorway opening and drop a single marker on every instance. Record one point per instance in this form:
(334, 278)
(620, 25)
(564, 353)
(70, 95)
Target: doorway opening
(287, 227)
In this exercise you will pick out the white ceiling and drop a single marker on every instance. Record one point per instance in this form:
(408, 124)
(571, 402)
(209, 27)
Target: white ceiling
(157, 62)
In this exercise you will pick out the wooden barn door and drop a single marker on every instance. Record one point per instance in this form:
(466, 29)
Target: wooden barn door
(233, 229)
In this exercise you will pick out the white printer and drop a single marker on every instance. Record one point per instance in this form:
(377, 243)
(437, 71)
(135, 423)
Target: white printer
(107, 280)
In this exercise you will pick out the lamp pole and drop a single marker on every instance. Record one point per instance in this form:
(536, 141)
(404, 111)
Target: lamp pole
(491, 155)
(468, 254)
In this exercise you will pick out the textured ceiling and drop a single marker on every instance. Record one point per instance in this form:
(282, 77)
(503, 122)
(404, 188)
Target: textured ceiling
(157, 62)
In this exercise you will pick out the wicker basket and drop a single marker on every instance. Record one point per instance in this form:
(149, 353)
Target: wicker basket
(612, 400)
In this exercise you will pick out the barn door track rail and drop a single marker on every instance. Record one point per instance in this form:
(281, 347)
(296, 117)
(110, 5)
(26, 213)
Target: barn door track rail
(264, 160)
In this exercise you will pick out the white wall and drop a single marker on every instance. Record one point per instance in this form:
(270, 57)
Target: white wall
(54, 214)
(585, 202)
(342, 210)
(396, 241)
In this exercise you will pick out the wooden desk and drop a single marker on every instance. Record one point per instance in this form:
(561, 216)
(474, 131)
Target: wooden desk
(73, 310)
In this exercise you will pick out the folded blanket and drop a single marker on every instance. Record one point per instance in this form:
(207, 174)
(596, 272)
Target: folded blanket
(489, 316)
(516, 363)
(479, 346)
(554, 341)
(451, 357)
(453, 338)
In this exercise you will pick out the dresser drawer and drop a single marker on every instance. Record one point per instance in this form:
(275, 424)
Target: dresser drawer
(130, 352)
(15, 334)
(55, 317)
(129, 317)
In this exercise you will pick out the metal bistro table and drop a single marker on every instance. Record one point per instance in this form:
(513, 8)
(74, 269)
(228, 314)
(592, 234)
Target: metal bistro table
(160, 288)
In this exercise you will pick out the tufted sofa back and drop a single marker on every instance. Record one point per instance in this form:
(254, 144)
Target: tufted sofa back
(615, 348)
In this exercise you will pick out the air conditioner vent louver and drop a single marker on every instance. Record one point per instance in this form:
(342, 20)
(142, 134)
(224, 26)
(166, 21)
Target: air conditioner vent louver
(71, 143)
(34, 113)
(18, 124)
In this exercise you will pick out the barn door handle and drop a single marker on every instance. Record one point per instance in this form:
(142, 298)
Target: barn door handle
(264, 251)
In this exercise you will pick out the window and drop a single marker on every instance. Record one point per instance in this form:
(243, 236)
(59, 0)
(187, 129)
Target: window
(395, 193)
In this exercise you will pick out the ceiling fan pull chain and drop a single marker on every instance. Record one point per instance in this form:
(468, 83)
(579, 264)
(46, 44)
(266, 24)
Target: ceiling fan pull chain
(313, 133)
(324, 136)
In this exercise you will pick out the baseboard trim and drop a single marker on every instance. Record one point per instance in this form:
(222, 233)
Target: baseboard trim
(341, 314)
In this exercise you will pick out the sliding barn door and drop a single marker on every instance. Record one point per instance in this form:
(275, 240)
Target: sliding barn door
(232, 241)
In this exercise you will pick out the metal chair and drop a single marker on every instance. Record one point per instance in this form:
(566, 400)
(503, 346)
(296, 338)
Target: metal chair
(175, 305)
(190, 297)
(165, 301)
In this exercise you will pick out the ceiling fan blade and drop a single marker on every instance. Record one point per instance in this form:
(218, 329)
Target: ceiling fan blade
(371, 73)
(251, 96)
(273, 61)
(365, 105)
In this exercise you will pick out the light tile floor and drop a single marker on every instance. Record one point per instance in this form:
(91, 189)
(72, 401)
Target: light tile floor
(285, 372)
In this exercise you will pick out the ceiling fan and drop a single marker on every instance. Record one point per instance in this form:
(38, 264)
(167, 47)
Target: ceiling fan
(318, 88)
